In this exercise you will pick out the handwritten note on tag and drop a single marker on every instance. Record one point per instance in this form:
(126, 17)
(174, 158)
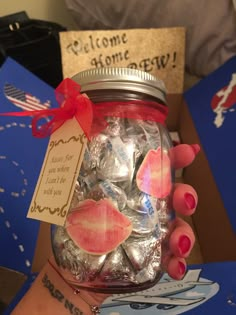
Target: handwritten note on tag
(57, 179)
(157, 51)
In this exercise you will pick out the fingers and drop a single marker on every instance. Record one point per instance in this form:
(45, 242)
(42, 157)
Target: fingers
(182, 239)
(184, 196)
(176, 268)
(181, 243)
(185, 199)
(183, 154)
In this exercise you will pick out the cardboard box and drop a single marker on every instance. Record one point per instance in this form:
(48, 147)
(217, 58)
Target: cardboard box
(211, 245)
(220, 276)
(215, 236)
(212, 225)
(209, 119)
(214, 246)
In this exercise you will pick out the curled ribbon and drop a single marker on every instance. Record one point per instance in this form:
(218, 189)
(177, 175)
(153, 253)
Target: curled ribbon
(74, 104)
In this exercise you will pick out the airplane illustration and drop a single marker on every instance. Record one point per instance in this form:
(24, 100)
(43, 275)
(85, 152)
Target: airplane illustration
(224, 101)
(161, 294)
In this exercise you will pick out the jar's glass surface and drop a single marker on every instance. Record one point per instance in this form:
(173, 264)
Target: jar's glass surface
(119, 215)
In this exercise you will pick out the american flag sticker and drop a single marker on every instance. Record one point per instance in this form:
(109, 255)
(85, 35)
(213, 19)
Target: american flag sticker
(23, 99)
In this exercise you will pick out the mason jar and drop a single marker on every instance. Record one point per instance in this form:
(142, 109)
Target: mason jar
(119, 218)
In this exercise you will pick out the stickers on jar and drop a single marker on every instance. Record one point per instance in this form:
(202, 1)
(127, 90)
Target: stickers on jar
(97, 227)
(154, 174)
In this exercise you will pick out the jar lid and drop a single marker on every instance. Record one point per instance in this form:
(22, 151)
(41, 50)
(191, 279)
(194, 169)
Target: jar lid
(121, 79)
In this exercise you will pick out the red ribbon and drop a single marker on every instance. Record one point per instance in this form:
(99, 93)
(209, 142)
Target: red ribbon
(75, 104)
(133, 109)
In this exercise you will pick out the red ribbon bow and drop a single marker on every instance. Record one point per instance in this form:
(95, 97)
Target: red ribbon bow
(73, 104)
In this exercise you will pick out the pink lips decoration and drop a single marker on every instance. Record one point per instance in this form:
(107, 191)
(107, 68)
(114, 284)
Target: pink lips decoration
(154, 174)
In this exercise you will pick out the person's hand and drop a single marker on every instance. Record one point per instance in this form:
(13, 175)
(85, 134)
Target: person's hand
(184, 202)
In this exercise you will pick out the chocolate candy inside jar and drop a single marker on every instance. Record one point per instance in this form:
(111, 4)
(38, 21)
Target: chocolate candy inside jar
(119, 216)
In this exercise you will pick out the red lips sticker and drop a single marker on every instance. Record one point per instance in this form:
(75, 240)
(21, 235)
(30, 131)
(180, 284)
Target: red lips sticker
(154, 174)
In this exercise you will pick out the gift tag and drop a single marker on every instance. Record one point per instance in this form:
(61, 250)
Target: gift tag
(56, 183)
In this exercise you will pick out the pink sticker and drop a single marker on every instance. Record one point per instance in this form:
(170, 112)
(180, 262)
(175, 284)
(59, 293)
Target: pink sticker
(97, 227)
(154, 174)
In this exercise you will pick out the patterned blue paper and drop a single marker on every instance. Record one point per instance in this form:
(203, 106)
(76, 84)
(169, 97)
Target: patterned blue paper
(21, 157)
(213, 292)
(212, 107)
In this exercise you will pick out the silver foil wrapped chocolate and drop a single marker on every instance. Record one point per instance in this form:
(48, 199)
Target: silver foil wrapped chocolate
(106, 189)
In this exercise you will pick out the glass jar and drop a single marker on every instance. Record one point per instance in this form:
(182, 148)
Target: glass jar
(119, 215)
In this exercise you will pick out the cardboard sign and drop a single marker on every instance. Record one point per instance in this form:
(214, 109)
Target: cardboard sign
(60, 170)
(157, 51)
